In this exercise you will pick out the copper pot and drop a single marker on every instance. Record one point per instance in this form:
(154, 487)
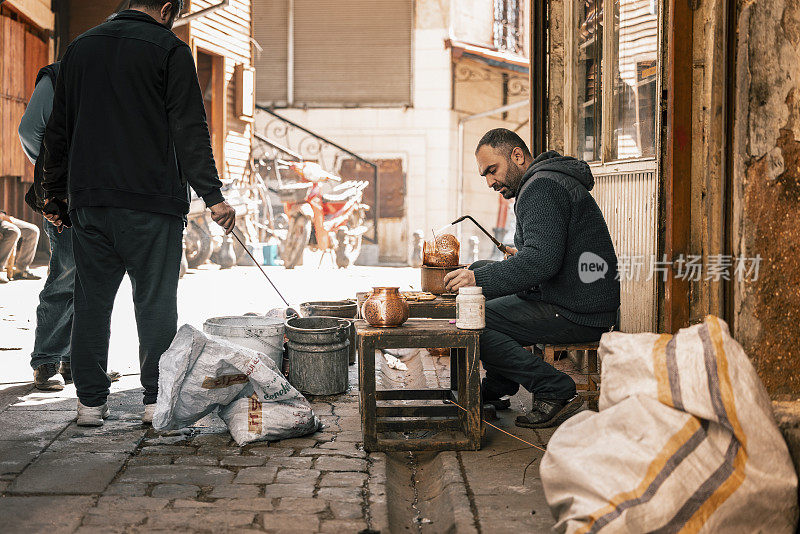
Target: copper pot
(443, 252)
(433, 278)
(385, 308)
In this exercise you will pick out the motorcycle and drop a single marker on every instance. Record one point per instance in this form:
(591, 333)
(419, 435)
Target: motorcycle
(321, 215)
(205, 240)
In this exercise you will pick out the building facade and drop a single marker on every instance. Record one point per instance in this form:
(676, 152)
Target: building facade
(690, 119)
(399, 82)
(26, 27)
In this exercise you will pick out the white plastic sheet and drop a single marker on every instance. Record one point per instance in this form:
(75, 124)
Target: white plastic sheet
(199, 374)
(685, 440)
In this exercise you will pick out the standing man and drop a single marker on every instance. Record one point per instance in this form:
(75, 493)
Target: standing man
(54, 314)
(546, 292)
(129, 129)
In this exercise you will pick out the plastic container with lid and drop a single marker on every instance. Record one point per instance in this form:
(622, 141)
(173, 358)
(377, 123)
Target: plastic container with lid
(470, 309)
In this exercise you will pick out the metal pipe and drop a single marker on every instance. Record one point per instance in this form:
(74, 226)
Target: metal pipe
(290, 56)
(199, 14)
(497, 243)
(260, 269)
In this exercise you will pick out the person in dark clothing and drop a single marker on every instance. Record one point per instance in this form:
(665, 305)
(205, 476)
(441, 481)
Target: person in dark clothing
(559, 285)
(51, 346)
(126, 139)
(54, 314)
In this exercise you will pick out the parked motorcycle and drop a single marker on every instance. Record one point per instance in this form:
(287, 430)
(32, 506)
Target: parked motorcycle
(322, 215)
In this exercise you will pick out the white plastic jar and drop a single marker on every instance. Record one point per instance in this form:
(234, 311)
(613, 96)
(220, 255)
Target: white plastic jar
(470, 309)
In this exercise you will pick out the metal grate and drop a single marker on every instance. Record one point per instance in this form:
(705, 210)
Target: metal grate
(629, 203)
(507, 26)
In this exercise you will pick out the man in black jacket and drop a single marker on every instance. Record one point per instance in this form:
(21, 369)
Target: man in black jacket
(127, 132)
(559, 286)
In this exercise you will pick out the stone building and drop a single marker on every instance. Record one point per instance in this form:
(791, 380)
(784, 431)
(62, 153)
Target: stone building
(402, 83)
(690, 118)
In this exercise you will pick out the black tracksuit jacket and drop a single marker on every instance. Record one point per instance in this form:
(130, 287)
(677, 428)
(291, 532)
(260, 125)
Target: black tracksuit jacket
(128, 127)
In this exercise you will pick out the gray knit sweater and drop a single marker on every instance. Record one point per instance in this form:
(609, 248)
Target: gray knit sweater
(566, 257)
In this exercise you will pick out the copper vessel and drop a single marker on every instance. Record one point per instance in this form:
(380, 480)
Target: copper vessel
(442, 252)
(433, 278)
(385, 308)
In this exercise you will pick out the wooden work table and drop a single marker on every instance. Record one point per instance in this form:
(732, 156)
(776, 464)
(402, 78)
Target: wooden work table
(443, 412)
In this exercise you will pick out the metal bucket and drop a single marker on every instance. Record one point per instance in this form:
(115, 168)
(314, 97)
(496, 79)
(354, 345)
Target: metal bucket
(345, 309)
(318, 351)
(264, 334)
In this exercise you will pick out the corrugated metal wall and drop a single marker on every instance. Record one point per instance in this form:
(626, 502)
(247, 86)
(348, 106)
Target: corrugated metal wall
(630, 205)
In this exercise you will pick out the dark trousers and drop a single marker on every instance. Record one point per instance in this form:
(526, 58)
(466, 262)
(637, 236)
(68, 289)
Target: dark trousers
(108, 242)
(513, 323)
(54, 314)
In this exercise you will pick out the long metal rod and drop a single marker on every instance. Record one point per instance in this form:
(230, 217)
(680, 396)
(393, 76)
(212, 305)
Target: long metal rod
(497, 243)
(260, 269)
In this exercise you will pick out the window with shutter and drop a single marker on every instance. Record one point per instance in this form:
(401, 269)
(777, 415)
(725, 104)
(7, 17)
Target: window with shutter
(345, 52)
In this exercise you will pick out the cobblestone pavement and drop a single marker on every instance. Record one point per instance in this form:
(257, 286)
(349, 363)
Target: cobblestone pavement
(123, 477)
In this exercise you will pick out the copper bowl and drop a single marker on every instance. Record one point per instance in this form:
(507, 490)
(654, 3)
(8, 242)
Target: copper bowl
(385, 308)
(443, 252)
(433, 278)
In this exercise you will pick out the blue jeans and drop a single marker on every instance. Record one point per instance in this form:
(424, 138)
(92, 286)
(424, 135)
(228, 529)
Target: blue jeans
(54, 314)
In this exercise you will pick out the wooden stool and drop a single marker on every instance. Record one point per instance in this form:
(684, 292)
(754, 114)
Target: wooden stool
(589, 390)
(464, 389)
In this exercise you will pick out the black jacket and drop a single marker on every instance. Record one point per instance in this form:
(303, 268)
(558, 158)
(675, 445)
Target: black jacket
(35, 195)
(565, 254)
(128, 125)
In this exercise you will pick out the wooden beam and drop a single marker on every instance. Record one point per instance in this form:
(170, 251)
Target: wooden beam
(37, 11)
(678, 160)
(538, 76)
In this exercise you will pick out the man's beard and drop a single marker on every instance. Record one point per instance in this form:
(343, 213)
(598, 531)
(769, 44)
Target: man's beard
(512, 180)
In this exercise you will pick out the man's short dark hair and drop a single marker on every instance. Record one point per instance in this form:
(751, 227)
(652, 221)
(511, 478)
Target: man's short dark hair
(502, 137)
(177, 5)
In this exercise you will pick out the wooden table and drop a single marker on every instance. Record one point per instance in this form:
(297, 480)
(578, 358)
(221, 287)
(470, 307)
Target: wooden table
(440, 308)
(380, 415)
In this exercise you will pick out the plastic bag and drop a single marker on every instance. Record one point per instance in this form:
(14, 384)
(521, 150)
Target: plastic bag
(249, 419)
(199, 374)
(685, 440)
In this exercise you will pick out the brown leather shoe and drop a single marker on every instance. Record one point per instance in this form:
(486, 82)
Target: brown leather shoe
(42, 376)
(25, 275)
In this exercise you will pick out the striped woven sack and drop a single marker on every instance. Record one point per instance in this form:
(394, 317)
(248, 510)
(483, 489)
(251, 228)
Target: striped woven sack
(685, 441)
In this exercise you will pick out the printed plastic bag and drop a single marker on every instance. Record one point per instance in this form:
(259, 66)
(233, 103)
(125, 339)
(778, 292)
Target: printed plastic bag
(249, 419)
(199, 374)
(685, 440)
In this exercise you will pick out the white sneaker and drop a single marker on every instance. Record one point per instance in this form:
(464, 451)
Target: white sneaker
(147, 416)
(92, 415)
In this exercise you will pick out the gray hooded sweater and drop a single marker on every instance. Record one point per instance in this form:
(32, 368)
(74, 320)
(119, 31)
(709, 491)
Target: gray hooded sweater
(565, 255)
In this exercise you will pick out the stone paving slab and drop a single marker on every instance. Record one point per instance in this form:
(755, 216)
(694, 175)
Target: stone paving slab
(68, 473)
(22, 515)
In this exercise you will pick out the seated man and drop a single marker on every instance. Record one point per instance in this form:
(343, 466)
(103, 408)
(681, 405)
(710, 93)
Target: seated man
(12, 230)
(558, 286)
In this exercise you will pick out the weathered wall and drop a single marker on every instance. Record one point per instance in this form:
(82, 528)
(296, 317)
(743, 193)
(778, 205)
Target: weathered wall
(767, 188)
(708, 145)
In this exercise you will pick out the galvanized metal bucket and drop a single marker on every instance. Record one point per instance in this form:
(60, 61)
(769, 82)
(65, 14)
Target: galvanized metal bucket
(318, 350)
